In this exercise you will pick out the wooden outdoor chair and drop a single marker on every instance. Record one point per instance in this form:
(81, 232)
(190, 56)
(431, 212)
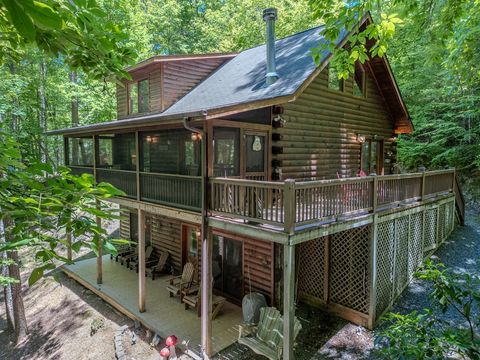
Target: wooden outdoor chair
(267, 338)
(156, 266)
(127, 253)
(178, 283)
(134, 257)
(122, 249)
(132, 262)
(191, 298)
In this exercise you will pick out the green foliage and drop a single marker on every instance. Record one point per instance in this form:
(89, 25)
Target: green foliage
(428, 335)
(40, 204)
(78, 30)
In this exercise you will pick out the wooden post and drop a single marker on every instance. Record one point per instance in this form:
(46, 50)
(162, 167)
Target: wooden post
(289, 206)
(100, 251)
(206, 293)
(288, 300)
(137, 164)
(373, 273)
(423, 186)
(141, 260)
(375, 194)
(95, 157)
(66, 155)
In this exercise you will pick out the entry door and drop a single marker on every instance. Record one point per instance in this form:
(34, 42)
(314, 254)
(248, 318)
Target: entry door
(240, 153)
(255, 155)
(227, 267)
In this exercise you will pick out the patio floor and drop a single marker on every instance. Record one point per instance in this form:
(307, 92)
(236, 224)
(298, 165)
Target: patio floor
(163, 315)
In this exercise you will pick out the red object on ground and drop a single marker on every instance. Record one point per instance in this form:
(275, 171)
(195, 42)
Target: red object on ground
(165, 352)
(171, 340)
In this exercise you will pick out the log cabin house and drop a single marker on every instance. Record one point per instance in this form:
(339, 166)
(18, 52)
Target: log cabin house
(272, 176)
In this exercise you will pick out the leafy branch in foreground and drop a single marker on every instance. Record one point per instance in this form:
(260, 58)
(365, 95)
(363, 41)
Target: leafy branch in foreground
(41, 204)
(78, 30)
(428, 335)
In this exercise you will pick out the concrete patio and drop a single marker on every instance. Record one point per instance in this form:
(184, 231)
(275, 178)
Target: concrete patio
(163, 315)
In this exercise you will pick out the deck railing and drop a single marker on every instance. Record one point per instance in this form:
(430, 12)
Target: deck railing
(180, 191)
(290, 204)
(121, 179)
(79, 170)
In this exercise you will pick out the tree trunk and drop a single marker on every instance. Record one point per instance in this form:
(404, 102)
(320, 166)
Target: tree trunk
(7, 289)
(19, 318)
(11, 67)
(43, 110)
(75, 117)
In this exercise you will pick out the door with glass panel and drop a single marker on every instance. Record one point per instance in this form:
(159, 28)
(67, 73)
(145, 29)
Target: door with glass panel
(190, 244)
(227, 267)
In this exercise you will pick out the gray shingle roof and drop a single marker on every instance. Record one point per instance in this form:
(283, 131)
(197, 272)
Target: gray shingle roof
(242, 79)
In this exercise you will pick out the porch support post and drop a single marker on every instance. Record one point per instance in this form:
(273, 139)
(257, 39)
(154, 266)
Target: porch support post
(100, 251)
(206, 295)
(288, 300)
(141, 260)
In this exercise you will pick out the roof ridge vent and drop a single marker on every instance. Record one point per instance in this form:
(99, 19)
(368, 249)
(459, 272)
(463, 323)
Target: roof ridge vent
(269, 16)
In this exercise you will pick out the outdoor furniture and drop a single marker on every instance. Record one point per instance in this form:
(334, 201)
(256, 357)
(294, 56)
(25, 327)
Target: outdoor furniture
(127, 253)
(134, 257)
(120, 250)
(154, 267)
(133, 261)
(191, 298)
(267, 338)
(179, 283)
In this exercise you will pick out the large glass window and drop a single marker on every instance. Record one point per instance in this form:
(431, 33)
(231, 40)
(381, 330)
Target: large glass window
(227, 152)
(372, 157)
(80, 151)
(171, 152)
(138, 97)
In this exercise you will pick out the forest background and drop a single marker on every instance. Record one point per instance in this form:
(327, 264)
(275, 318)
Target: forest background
(435, 55)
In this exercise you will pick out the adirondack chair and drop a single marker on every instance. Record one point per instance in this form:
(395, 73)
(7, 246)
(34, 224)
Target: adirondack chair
(134, 257)
(178, 283)
(122, 249)
(154, 267)
(267, 338)
(131, 250)
(191, 298)
(133, 261)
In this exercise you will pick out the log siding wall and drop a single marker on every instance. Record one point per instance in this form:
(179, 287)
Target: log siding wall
(319, 138)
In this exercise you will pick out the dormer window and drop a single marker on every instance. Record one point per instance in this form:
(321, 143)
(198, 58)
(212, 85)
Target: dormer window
(138, 96)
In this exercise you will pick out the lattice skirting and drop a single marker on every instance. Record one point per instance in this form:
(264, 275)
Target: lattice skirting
(336, 271)
(403, 241)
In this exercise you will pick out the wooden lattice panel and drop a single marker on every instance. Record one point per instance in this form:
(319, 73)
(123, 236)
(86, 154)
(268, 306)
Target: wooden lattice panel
(311, 273)
(384, 268)
(401, 253)
(349, 269)
(415, 253)
(429, 241)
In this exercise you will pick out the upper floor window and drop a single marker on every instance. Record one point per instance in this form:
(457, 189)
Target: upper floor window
(138, 96)
(80, 151)
(334, 82)
(359, 82)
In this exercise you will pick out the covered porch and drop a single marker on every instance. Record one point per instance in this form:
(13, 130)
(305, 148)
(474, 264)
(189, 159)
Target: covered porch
(163, 315)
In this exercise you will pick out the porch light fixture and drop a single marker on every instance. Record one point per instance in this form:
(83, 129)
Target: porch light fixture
(361, 138)
(196, 137)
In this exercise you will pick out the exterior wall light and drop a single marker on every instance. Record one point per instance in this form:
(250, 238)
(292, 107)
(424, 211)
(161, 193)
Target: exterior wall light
(361, 138)
(196, 137)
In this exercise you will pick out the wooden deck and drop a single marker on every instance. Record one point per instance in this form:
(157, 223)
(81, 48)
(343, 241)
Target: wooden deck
(164, 315)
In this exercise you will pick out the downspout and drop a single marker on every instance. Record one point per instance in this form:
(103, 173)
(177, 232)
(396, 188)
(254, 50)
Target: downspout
(205, 263)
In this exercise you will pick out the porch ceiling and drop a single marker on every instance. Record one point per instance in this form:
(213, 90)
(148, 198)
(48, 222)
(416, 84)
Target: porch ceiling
(164, 315)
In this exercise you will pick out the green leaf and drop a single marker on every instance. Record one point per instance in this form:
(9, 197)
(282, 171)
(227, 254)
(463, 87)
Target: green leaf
(37, 273)
(20, 19)
(43, 15)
